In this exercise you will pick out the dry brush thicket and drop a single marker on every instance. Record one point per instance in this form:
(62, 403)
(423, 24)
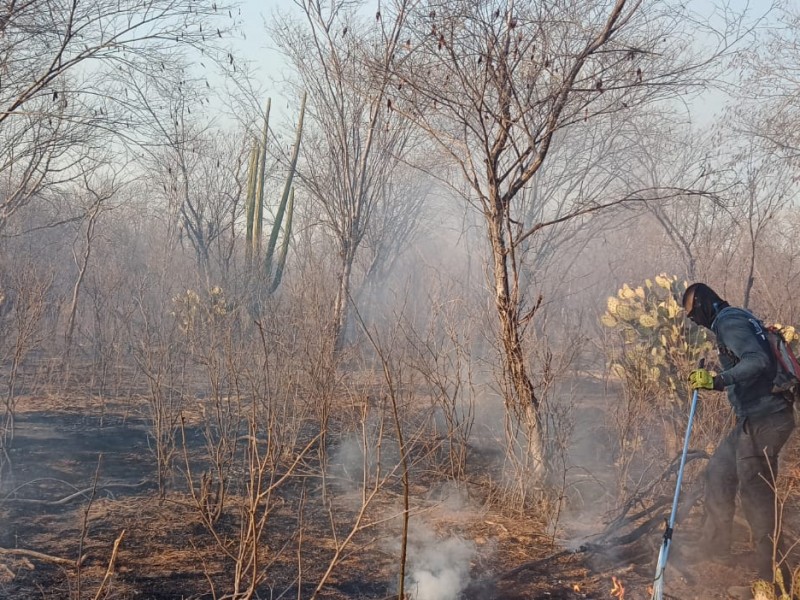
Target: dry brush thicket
(460, 186)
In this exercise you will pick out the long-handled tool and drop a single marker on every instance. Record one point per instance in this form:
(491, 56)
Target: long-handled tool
(663, 553)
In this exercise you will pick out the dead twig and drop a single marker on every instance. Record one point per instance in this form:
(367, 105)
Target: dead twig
(86, 493)
(38, 555)
(85, 527)
(110, 569)
(612, 536)
(624, 518)
(6, 574)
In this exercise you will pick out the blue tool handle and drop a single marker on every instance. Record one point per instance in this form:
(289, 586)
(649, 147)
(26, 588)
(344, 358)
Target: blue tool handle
(663, 553)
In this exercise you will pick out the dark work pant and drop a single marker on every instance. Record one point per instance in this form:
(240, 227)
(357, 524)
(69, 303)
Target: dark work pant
(748, 460)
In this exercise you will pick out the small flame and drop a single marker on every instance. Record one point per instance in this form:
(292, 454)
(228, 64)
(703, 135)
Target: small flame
(576, 588)
(650, 590)
(618, 591)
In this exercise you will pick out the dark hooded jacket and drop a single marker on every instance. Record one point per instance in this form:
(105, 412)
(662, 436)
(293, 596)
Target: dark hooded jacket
(749, 367)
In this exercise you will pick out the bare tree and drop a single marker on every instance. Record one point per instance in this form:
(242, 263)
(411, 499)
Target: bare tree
(581, 169)
(23, 333)
(763, 190)
(61, 96)
(204, 182)
(664, 157)
(397, 218)
(81, 252)
(357, 141)
(496, 85)
(768, 103)
(196, 170)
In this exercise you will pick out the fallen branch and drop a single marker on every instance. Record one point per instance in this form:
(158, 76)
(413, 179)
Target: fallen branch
(612, 536)
(6, 574)
(111, 562)
(37, 555)
(86, 492)
(672, 469)
(535, 564)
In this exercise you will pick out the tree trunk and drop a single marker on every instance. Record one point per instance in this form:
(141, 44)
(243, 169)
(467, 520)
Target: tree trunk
(751, 270)
(83, 264)
(342, 295)
(521, 401)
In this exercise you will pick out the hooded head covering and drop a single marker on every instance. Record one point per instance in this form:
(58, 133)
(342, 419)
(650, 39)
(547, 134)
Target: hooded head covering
(702, 304)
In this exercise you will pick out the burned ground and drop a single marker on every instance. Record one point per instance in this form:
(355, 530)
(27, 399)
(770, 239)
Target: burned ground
(82, 480)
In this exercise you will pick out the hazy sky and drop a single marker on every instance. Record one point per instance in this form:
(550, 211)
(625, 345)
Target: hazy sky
(258, 48)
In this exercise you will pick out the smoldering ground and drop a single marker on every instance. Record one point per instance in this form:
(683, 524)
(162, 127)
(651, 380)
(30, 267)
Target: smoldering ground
(438, 567)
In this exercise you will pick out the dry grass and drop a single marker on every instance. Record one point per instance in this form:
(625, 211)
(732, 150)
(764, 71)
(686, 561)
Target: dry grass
(168, 552)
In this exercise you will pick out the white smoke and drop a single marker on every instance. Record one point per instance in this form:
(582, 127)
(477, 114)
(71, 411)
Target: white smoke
(438, 568)
(351, 458)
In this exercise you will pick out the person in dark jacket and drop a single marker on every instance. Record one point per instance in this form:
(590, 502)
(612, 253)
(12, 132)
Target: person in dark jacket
(747, 459)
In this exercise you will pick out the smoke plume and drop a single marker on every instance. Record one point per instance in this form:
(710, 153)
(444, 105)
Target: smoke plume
(438, 568)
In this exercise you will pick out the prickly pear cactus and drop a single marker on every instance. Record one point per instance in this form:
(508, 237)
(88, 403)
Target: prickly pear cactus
(658, 346)
(790, 334)
(195, 313)
(763, 590)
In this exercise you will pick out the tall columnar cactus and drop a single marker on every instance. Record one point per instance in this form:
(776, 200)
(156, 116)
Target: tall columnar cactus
(250, 204)
(256, 182)
(286, 207)
(658, 345)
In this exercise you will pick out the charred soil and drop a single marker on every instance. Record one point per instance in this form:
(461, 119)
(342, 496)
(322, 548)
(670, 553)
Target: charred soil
(83, 478)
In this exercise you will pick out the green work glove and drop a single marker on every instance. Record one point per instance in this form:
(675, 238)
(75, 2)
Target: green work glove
(700, 379)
